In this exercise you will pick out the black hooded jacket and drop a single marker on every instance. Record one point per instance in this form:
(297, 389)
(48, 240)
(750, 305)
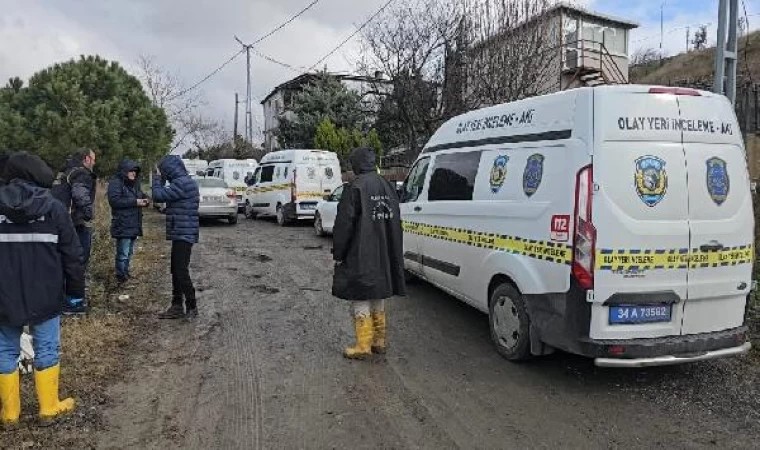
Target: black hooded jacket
(82, 183)
(39, 250)
(368, 239)
(126, 216)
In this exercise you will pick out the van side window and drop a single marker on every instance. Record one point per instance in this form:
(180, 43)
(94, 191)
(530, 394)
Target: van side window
(454, 176)
(267, 172)
(257, 175)
(415, 181)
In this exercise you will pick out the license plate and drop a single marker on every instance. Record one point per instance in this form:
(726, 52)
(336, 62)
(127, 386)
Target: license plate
(308, 206)
(627, 314)
(213, 199)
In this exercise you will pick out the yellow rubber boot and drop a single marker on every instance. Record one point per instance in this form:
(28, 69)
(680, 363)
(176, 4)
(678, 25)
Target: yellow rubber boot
(10, 397)
(51, 408)
(378, 340)
(363, 347)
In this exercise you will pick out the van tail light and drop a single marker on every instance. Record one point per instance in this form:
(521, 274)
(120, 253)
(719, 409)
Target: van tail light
(293, 196)
(674, 91)
(584, 239)
(231, 195)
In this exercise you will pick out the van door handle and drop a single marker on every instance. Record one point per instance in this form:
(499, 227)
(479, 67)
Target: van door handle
(712, 246)
(417, 208)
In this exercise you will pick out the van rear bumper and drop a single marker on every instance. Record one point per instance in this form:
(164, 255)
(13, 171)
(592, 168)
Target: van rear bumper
(667, 350)
(673, 359)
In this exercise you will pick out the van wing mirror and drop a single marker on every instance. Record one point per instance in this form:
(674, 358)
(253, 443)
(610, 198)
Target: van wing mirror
(326, 197)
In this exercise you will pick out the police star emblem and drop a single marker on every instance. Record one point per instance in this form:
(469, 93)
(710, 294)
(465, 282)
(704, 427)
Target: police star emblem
(533, 174)
(498, 173)
(651, 180)
(718, 183)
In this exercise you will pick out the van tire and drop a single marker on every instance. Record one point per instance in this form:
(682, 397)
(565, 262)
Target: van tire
(281, 219)
(233, 220)
(509, 323)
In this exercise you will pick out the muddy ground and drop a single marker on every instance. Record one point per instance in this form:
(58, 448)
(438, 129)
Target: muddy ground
(261, 368)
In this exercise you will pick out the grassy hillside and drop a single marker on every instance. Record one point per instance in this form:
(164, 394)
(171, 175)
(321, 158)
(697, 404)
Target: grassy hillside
(697, 66)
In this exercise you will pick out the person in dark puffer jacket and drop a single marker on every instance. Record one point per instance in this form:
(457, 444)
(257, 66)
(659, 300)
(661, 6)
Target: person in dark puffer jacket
(182, 227)
(40, 263)
(126, 200)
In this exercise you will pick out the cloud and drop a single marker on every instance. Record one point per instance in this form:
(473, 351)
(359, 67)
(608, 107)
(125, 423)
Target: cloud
(189, 38)
(192, 37)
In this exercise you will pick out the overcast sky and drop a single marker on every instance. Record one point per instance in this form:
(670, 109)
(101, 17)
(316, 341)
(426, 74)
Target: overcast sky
(192, 37)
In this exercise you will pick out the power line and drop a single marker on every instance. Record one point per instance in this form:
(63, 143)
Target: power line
(286, 23)
(207, 77)
(358, 30)
(275, 61)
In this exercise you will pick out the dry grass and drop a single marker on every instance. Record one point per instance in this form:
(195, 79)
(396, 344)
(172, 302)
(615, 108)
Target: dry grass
(97, 349)
(698, 66)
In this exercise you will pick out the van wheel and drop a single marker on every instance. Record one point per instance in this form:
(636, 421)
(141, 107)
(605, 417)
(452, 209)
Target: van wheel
(281, 221)
(233, 219)
(509, 323)
(318, 229)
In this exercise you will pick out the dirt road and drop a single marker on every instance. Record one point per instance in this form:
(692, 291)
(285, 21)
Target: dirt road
(262, 369)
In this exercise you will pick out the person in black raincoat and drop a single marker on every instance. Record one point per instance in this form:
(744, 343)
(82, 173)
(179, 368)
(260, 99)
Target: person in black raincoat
(126, 200)
(368, 250)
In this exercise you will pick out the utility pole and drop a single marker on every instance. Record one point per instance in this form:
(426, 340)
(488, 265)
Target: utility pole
(725, 56)
(248, 112)
(662, 26)
(688, 35)
(235, 128)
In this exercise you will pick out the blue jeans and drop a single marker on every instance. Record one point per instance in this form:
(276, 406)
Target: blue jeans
(125, 247)
(85, 240)
(46, 340)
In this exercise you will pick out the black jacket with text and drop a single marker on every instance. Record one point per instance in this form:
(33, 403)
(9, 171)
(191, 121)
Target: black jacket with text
(368, 239)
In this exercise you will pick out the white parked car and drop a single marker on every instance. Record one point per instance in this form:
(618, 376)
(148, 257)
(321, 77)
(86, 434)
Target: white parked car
(324, 216)
(217, 200)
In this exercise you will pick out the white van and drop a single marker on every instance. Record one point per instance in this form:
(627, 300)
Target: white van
(290, 183)
(233, 172)
(195, 166)
(613, 222)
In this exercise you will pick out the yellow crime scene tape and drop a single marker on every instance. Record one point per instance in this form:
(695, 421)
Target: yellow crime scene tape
(610, 260)
(541, 250)
(276, 187)
(639, 259)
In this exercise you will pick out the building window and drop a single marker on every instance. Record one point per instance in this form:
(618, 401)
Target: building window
(615, 41)
(570, 30)
(454, 176)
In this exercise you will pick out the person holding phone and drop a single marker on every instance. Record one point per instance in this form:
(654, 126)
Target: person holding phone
(127, 200)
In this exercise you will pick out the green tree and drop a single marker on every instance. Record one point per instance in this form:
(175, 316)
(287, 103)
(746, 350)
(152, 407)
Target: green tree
(89, 102)
(324, 97)
(343, 141)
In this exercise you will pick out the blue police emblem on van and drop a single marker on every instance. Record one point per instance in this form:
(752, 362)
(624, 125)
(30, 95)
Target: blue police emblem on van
(718, 183)
(651, 180)
(498, 173)
(533, 174)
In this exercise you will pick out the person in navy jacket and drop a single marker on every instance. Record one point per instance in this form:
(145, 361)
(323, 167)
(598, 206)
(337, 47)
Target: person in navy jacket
(126, 200)
(182, 198)
(40, 263)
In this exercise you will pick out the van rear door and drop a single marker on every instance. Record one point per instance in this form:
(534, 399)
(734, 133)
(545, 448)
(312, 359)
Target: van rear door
(720, 215)
(641, 215)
